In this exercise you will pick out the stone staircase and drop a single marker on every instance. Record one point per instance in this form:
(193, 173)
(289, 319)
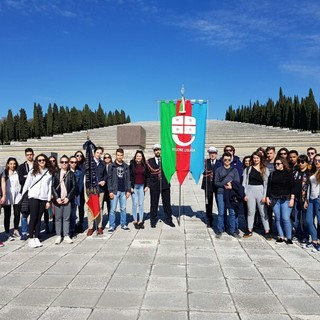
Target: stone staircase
(243, 136)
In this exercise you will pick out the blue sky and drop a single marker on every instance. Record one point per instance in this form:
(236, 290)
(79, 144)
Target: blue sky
(127, 54)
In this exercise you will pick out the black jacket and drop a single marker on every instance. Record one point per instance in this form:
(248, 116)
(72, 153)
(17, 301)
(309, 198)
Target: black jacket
(69, 181)
(233, 198)
(208, 176)
(157, 176)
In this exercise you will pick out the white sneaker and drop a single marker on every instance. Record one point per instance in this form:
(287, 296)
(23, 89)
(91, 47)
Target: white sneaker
(67, 239)
(32, 243)
(58, 240)
(38, 243)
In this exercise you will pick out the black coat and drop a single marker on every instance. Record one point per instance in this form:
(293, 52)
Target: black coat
(69, 181)
(157, 176)
(208, 176)
(233, 198)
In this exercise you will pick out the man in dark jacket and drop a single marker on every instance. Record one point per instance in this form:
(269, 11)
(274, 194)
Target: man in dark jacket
(208, 185)
(159, 184)
(101, 175)
(119, 187)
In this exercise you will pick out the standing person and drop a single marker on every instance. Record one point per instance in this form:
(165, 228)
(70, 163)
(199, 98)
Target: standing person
(271, 156)
(283, 153)
(301, 182)
(63, 191)
(23, 171)
(224, 176)
(108, 161)
(293, 160)
(235, 160)
(313, 205)
(208, 185)
(76, 200)
(101, 175)
(12, 191)
(311, 152)
(280, 194)
(159, 185)
(38, 185)
(81, 166)
(139, 178)
(119, 187)
(255, 180)
(2, 197)
(53, 163)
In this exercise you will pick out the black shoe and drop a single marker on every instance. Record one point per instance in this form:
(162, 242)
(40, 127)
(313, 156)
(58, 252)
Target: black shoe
(218, 235)
(153, 225)
(289, 241)
(79, 228)
(171, 224)
(279, 240)
(136, 225)
(141, 225)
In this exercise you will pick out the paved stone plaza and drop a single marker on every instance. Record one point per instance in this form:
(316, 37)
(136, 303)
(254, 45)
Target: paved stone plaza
(163, 273)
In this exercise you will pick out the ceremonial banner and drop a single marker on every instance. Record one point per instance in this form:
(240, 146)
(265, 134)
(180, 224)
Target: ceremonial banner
(91, 186)
(183, 129)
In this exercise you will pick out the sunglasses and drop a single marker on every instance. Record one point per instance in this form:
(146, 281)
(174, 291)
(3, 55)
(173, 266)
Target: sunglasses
(79, 155)
(73, 162)
(64, 162)
(302, 162)
(52, 160)
(312, 153)
(41, 160)
(228, 150)
(316, 161)
(106, 157)
(278, 163)
(226, 159)
(283, 153)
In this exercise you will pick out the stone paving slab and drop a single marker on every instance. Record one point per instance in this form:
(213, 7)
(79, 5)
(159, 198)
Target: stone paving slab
(162, 273)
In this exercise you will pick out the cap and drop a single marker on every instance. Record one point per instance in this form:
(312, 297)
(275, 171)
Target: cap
(156, 146)
(212, 150)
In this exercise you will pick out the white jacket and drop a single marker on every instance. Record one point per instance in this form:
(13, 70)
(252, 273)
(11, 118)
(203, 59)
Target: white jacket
(40, 190)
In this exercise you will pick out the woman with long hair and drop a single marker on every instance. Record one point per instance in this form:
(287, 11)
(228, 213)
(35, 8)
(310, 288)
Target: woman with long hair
(38, 185)
(53, 163)
(312, 205)
(107, 158)
(63, 191)
(280, 195)
(81, 161)
(255, 180)
(139, 178)
(10, 179)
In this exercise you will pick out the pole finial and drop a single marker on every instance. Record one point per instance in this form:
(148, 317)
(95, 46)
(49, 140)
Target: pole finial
(182, 108)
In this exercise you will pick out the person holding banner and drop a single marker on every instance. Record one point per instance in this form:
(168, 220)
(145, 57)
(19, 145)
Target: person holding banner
(101, 178)
(210, 166)
(159, 184)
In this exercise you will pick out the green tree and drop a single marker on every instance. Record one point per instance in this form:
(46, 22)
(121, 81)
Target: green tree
(49, 121)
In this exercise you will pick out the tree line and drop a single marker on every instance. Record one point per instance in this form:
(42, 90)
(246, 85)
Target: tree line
(56, 120)
(287, 112)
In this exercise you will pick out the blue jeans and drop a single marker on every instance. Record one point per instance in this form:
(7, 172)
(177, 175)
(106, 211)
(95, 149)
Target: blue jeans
(24, 223)
(233, 224)
(282, 213)
(137, 202)
(312, 212)
(121, 197)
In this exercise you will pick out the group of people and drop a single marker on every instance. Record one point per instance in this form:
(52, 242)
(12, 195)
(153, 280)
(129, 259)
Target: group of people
(283, 184)
(59, 192)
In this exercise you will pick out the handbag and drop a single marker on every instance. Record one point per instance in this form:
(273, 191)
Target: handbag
(24, 202)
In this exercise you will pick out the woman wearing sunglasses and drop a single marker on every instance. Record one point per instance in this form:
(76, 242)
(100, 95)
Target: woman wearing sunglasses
(38, 185)
(108, 161)
(63, 191)
(313, 205)
(280, 195)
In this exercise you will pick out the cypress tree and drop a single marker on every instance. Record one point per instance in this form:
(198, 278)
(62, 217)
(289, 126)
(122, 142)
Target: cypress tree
(10, 126)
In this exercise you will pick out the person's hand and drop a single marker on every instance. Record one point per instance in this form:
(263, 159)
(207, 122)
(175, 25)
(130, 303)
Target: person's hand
(59, 201)
(305, 205)
(65, 200)
(145, 189)
(127, 195)
(132, 190)
(268, 201)
(111, 195)
(102, 183)
(47, 205)
(245, 198)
